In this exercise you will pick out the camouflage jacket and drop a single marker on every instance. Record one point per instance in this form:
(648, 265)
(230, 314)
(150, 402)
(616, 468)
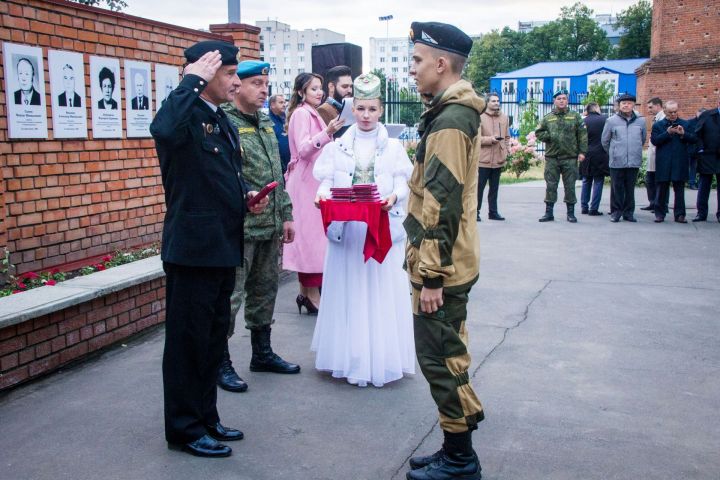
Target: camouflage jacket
(261, 165)
(443, 249)
(563, 133)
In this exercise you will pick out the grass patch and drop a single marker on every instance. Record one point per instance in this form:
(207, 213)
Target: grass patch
(535, 173)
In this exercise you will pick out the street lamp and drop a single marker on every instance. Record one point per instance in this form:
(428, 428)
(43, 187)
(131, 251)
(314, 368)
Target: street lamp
(386, 19)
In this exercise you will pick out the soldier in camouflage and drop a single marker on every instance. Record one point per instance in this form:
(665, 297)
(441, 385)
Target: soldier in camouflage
(256, 282)
(565, 136)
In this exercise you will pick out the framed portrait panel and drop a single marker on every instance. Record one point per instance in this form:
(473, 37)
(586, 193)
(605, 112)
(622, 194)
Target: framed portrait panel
(167, 77)
(25, 91)
(138, 98)
(105, 97)
(67, 93)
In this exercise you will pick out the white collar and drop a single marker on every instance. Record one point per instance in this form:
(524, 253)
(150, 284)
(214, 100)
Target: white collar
(346, 141)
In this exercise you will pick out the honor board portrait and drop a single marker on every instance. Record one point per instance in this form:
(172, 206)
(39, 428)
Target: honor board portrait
(25, 87)
(67, 87)
(105, 97)
(167, 78)
(138, 98)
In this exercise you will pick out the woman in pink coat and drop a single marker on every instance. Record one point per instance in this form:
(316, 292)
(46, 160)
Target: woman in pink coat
(307, 135)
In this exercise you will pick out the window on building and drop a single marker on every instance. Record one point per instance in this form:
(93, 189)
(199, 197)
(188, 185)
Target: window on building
(535, 89)
(286, 59)
(268, 29)
(273, 60)
(286, 47)
(604, 76)
(509, 91)
(382, 49)
(395, 69)
(262, 46)
(287, 71)
(405, 59)
(314, 44)
(382, 59)
(560, 83)
(394, 48)
(394, 59)
(405, 69)
(301, 47)
(301, 70)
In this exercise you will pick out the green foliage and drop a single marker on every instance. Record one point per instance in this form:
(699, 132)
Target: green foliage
(636, 21)
(114, 5)
(529, 120)
(575, 35)
(600, 93)
(410, 108)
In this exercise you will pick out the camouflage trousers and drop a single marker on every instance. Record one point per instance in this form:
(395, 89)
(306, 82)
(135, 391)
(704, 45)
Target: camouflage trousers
(441, 347)
(554, 168)
(256, 283)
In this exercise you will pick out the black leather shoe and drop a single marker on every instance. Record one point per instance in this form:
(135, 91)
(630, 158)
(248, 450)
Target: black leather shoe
(448, 467)
(699, 219)
(659, 219)
(629, 218)
(615, 217)
(263, 358)
(495, 216)
(680, 219)
(218, 432)
(205, 446)
(227, 378)
(424, 461)
(585, 211)
(648, 208)
(595, 213)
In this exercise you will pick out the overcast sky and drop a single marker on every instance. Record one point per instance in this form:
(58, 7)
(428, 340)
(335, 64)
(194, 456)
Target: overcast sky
(358, 21)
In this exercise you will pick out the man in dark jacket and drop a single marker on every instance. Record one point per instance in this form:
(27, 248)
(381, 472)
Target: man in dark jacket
(671, 138)
(202, 243)
(277, 104)
(693, 152)
(594, 168)
(708, 132)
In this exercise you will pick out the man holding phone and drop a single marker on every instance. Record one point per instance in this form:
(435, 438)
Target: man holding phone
(256, 282)
(494, 135)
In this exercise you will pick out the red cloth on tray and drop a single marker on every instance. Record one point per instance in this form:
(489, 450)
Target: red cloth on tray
(377, 239)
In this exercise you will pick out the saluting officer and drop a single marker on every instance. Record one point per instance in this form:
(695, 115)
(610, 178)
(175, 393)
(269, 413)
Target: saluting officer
(202, 243)
(256, 282)
(442, 255)
(565, 136)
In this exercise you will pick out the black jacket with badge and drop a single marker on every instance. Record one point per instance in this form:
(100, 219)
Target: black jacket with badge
(708, 132)
(202, 175)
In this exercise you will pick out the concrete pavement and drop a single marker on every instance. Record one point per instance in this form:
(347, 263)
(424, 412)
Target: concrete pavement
(595, 354)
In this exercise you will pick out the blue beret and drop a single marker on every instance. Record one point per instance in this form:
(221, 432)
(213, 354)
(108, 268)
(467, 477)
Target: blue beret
(251, 68)
(442, 36)
(229, 53)
(561, 91)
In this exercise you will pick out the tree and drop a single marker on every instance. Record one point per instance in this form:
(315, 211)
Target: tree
(574, 36)
(497, 51)
(636, 21)
(114, 5)
(601, 93)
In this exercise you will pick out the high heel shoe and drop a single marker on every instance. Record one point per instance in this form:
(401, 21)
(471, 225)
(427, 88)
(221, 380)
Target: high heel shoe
(303, 301)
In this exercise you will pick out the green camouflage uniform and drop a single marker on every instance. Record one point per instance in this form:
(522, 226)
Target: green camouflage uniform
(442, 249)
(565, 137)
(257, 279)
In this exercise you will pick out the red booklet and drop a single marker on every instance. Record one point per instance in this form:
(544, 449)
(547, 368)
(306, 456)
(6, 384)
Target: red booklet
(262, 194)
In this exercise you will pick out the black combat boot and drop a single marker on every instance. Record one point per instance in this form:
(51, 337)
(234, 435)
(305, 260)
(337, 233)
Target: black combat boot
(456, 459)
(263, 358)
(227, 378)
(548, 217)
(571, 213)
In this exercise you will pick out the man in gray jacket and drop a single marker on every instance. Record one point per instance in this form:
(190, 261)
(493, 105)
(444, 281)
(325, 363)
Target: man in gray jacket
(623, 138)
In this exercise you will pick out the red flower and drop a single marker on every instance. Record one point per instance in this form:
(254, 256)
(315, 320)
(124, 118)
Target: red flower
(107, 258)
(54, 271)
(31, 275)
(100, 266)
(21, 285)
(50, 282)
(17, 291)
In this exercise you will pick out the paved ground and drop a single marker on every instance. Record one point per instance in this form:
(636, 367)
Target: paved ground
(595, 352)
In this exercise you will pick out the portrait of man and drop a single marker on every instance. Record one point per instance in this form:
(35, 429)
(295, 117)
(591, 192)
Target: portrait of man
(140, 100)
(168, 88)
(107, 86)
(26, 94)
(69, 98)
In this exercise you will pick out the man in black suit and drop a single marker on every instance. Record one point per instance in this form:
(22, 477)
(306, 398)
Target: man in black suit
(202, 242)
(69, 98)
(594, 168)
(26, 95)
(107, 85)
(140, 100)
(708, 132)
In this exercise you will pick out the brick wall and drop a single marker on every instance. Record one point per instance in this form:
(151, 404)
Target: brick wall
(685, 55)
(68, 202)
(46, 343)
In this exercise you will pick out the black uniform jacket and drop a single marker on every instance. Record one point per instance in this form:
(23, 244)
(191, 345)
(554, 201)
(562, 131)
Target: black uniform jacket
(708, 131)
(202, 175)
(596, 159)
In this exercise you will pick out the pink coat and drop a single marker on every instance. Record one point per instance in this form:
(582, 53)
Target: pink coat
(306, 135)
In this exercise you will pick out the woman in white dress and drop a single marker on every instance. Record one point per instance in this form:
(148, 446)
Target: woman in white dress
(364, 330)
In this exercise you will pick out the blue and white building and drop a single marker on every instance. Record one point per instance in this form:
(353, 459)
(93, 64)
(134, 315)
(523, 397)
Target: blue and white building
(539, 81)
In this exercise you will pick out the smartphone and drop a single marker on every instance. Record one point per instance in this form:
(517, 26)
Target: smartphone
(499, 138)
(262, 194)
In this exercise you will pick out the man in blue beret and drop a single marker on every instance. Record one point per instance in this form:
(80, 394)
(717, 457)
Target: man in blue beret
(565, 136)
(202, 244)
(443, 250)
(256, 282)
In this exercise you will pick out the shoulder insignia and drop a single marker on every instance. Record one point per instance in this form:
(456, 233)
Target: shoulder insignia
(269, 130)
(242, 130)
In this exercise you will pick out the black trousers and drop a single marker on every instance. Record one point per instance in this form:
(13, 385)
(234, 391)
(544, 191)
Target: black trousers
(651, 188)
(196, 325)
(663, 197)
(492, 174)
(623, 190)
(703, 195)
